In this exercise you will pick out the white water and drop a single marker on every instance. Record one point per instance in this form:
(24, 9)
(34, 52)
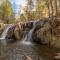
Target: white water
(4, 34)
(28, 37)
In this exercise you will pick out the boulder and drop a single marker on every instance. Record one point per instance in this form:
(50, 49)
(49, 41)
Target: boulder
(2, 26)
(44, 34)
(27, 26)
(56, 37)
(17, 32)
(49, 33)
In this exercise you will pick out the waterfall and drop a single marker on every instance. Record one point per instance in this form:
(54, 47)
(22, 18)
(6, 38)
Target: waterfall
(31, 31)
(28, 36)
(4, 34)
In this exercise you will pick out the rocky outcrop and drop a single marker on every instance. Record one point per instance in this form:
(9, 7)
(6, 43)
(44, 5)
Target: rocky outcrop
(46, 31)
(17, 32)
(49, 33)
(2, 26)
(44, 34)
(27, 26)
(55, 41)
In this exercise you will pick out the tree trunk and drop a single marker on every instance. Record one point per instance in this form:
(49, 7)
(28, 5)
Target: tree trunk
(51, 8)
(48, 8)
(56, 7)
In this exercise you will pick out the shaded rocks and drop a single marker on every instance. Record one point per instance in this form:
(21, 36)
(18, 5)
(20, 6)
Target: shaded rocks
(55, 41)
(43, 34)
(10, 31)
(48, 32)
(27, 26)
(56, 37)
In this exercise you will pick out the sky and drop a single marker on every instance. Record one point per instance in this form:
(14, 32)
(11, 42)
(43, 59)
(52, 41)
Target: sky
(16, 4)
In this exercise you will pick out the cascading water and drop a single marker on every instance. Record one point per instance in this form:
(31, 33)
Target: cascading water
(28, 36)
(4, 34)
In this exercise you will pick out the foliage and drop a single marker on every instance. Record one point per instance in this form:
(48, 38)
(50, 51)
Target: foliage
(40, 11)
(6, 12)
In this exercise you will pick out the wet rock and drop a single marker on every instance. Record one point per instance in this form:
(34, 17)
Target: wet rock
(27, 26)
(44, 34)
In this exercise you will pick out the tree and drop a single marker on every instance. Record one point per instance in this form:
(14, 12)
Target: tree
(56, 7)
(7, 14)
(42, 8)
(47, 3)
(30, 5)
(27, 14)
(51, 8)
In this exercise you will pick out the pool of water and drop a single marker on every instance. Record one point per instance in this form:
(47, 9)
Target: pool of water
(19, 51)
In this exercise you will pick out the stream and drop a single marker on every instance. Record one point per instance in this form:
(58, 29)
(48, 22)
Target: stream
(18, 51)
(25, 49)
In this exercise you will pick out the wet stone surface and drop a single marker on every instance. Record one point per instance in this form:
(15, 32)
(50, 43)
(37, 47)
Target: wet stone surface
(17, 51)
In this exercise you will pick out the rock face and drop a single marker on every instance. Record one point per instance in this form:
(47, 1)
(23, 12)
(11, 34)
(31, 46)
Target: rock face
(44, 34)
(17, 32)
(49, 33)
(27, 26)
(2, 26)
(56, 33)
(46, 31)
